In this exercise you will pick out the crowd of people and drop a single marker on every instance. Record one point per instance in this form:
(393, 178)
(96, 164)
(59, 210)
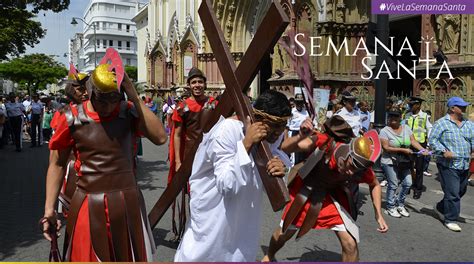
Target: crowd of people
(24, 119)
(409, 141)
(93, 142)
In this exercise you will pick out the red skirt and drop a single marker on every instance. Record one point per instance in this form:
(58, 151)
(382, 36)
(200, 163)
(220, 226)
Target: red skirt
(328, 216)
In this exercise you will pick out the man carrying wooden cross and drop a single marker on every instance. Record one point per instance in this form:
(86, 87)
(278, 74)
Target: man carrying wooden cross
(226, 190)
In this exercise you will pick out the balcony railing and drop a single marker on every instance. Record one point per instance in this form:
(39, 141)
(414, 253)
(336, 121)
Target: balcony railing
(100, 48)
(107, 30)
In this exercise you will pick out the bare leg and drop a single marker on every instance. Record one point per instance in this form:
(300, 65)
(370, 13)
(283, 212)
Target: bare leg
(277, 241)
(350, 252)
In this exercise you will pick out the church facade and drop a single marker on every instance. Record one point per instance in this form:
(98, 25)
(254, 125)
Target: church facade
(174, 41)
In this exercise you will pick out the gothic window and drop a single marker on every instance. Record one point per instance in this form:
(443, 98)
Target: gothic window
(457, 87)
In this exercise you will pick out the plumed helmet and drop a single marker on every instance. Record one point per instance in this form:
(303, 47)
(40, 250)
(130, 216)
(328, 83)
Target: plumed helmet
(106, 78)
(195, 72)
(75, 76)
(364, 150)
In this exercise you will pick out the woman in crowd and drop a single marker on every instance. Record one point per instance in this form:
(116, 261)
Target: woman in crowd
(396, 161)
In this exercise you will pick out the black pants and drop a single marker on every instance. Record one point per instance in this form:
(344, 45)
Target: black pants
(15, 122)
(35, 129)
(46, 134)
(420, 161)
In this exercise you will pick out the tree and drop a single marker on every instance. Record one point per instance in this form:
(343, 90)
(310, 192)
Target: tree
(18, 27)
(33, 71)
(132, 72)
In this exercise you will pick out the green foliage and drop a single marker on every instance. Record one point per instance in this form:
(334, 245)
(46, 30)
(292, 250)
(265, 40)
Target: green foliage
(18, 29)
(132, 72)
(34, 71)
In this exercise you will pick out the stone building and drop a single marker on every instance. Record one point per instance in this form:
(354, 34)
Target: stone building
(174, 41)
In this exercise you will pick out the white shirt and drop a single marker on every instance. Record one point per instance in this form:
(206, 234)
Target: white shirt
(36, 108)
(27, 104)
(352, 118)
(297, 118)
(226, 200)
(14, 109)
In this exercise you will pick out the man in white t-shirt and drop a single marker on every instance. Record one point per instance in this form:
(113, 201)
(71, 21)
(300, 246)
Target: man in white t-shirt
(298, 116)
(348, 113)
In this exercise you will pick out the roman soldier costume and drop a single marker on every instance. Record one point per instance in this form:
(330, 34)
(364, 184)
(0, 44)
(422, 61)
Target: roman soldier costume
(75, 78)
(107, 219)
(189, 113)
(320, 194)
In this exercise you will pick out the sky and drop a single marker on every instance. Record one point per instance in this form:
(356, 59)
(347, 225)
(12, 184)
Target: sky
(59, 30)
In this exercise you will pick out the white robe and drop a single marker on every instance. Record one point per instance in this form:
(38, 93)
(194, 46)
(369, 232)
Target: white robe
(226, 200)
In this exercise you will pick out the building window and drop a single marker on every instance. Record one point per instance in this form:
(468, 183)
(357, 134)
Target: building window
(104, 25)
(119, 43)
(111, 43)
(98, 42)
(119, 26)
(129, 62)
(128, 45)
(104, 43)
(128, 28)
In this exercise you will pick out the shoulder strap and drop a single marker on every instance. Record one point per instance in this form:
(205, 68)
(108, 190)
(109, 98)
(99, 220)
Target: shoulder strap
(82, 116)
(70, 117)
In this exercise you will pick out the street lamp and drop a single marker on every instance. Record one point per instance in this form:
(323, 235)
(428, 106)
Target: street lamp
(74, 22)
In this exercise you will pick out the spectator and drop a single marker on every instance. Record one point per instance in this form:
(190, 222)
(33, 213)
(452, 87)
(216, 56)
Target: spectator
(3, 120)
(46, 124)
(36, 110)
(471, 166)
(348, 113)
(298, 115)
(452, 137)
(292, 102)
(364, 115)
(420, 125)
(15, 112)
(426, 171)
(396, 139)
(388, 106)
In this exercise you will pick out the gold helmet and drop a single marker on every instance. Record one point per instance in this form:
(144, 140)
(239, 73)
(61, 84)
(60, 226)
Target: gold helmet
(75, 76)
(106, 79)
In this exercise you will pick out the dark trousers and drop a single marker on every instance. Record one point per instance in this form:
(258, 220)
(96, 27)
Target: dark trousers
(15, 122)
(35, 129)
(454, 185)
(46, 134)
(420, 162)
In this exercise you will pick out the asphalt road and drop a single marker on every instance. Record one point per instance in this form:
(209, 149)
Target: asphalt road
(421, 237)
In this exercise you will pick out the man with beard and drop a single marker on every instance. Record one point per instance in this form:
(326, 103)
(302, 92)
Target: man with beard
(186, 128)
(107, 220)
(320, 192)
(226, 190)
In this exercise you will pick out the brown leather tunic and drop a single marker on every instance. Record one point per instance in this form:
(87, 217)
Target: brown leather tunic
(106, 153)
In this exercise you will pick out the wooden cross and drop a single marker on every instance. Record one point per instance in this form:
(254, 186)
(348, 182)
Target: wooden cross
(237, 80)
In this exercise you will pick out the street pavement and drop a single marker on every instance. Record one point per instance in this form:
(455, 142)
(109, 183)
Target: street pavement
(420, 237)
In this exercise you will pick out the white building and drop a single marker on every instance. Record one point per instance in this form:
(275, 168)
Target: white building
(76, 51)
(114, 28)
(141, 21)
